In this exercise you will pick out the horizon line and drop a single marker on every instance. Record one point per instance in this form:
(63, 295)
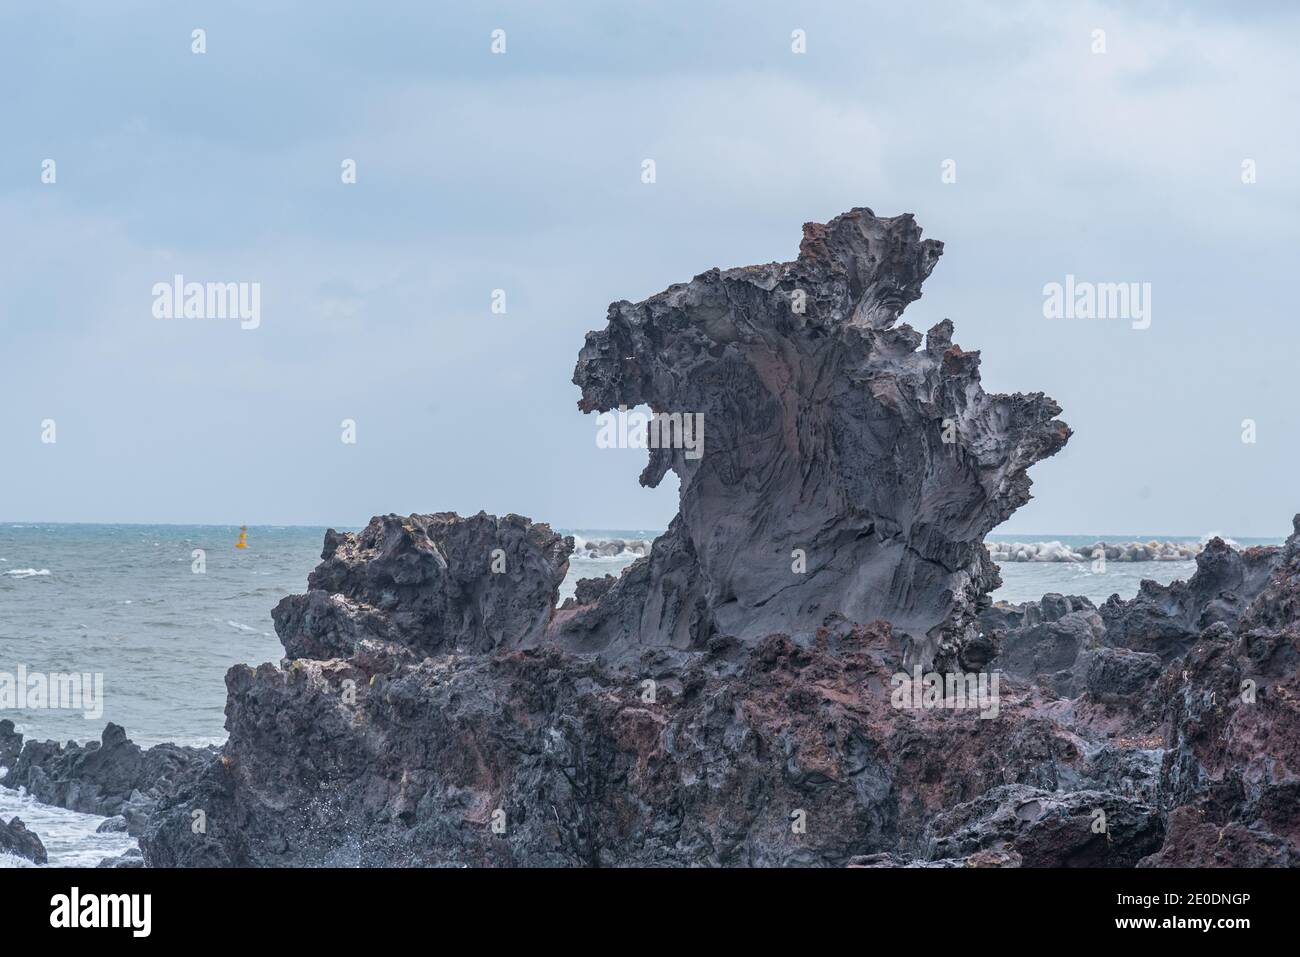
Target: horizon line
(1036, 536)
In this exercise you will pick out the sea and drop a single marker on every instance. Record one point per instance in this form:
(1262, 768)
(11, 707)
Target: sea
(162, 611)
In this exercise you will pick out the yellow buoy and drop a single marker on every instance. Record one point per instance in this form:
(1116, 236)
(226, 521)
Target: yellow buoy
(243, 537)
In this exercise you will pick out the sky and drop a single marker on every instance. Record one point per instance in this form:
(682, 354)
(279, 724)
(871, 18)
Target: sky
(522, 171)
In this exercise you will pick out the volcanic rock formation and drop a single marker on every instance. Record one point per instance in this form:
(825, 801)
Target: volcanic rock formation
(434, 583)
(1166, 619)
(542, 757)
(711, 706)
(112, 776)
(832, 436)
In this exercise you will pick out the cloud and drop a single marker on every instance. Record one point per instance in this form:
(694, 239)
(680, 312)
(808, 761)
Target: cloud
(522, 172)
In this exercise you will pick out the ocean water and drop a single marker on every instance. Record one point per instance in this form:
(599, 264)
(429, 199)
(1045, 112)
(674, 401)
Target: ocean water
(125, 602)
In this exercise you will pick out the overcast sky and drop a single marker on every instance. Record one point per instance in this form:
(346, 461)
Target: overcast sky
(522, 172)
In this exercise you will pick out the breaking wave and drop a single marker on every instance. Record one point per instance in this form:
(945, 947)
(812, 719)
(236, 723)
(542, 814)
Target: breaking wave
(27, 572)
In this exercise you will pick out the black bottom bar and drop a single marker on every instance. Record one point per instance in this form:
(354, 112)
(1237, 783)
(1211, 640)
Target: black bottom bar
(337, 907)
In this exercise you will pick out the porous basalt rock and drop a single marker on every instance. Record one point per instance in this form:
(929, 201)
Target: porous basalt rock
(1083, 828)
(112, 776)
(432, 583)
(132, 858)
(1166, 619)
(832, 435)
(1230, 778)
(528, 757)
(588, 591)
(1040, 642)
(1114, 675)
(16, 839)
(578, 765)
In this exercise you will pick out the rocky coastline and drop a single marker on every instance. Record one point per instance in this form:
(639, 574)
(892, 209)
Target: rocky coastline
(732, 698)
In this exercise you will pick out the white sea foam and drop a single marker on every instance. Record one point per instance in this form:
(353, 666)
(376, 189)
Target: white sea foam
(70, 838)
(27, 572)
(1055, 551)
(610, 549)
(1205, 539)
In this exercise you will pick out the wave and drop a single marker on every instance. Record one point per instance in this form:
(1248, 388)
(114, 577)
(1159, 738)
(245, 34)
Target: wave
(27, 572)
(1152, 551)
(628, 549)
(71, 838)
(183, 740)
(610, 549)
(1205, 539)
